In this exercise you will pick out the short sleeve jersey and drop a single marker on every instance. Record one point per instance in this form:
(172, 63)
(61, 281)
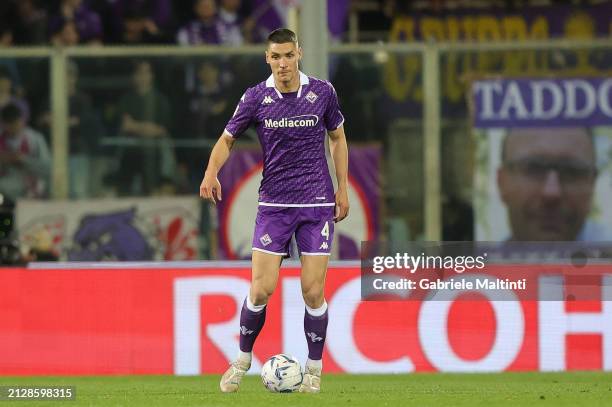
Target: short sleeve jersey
(292, 134)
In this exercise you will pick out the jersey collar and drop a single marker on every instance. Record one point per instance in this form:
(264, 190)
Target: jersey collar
(303, 81)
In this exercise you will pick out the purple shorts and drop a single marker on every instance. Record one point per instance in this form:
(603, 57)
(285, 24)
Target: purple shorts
(313, 228)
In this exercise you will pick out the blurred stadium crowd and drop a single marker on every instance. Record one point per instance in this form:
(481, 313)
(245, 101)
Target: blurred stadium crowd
(214, 22)
(137, 22)
(72, 22)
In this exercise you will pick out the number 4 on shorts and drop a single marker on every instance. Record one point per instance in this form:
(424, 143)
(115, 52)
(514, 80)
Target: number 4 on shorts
(325, 231)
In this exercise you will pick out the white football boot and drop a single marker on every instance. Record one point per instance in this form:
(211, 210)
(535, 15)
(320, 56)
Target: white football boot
(230, 381)
(311, 383)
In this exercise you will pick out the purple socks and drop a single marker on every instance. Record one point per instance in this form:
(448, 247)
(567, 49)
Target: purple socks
(251, 322)
(315, 328)
(252, 318)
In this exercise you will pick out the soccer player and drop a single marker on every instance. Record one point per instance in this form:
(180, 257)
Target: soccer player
(292, 114)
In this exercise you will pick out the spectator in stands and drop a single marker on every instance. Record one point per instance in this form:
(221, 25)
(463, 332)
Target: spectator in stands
(8, 94)
(24, 157)
(159, 12)
(6, 36)
(205, 29)
(31, 27)
(234, 30)
(8, 16)
(9, 65)
(142, 21)
(139, 29)
(208, 102)
(205, 114)
(66, 35)
(144, 115)
(86, 22)
(84, 128)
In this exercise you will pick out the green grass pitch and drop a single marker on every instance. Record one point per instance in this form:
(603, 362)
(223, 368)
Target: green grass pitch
(576, 389)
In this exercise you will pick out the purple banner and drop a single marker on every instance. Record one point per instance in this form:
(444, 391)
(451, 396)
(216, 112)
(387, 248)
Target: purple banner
(508, 103)
(402, 75)
(240, 179)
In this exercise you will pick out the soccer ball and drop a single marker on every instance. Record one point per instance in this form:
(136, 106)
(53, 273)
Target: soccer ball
(282, 374)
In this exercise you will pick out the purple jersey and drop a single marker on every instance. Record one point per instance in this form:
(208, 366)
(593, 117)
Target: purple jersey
(292, 134)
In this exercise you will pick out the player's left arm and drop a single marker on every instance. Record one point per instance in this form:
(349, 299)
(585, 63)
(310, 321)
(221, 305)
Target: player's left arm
(339, 153)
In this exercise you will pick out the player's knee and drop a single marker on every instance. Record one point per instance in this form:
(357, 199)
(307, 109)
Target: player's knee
(259, 297)
(313, 296)
(259, 294)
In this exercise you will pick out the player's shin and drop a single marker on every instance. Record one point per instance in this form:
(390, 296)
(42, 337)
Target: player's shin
(252, 318)
(315, 329)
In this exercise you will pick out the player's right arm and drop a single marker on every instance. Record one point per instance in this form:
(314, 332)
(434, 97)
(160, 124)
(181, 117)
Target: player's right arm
(210, 188)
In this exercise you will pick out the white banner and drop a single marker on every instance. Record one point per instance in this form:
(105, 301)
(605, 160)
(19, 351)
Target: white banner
(112, 229)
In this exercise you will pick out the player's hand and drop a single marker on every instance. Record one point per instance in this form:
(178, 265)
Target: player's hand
(342, 205)
(210, 188)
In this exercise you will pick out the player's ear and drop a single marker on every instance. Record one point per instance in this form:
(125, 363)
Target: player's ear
(299, 53)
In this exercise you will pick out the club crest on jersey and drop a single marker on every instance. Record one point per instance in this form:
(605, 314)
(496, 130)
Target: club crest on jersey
(311, 97)
(265, 239)
(267, 100)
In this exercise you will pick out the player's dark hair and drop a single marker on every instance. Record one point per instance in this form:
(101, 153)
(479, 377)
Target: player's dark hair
(10, 113)
(282, 36)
